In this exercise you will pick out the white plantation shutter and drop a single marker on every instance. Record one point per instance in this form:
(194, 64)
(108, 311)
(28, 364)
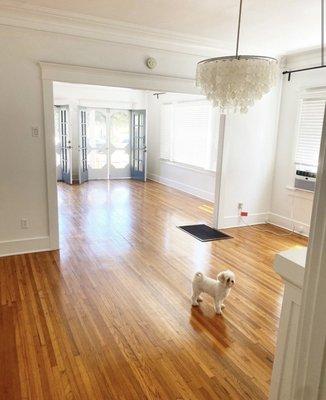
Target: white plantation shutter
(310, 130)
(192, 130)
(188, 133)
(166, 131)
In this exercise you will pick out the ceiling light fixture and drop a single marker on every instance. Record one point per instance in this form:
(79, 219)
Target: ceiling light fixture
(234, 83)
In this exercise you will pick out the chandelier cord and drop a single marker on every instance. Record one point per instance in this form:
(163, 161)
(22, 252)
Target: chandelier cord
(322, 31)
(238, 33)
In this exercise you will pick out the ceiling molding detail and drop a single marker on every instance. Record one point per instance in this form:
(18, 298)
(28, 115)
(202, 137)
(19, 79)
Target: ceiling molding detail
(19, 14)
(303, 59)
(107, 77)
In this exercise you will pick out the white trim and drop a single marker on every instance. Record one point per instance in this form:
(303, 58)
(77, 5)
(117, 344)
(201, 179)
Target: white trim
(50, 73)
(108, 77)
(286, 337)
(235, 221)
(301, 193)
(188, 167)
(311, 343)
(19, 14)
(219, 176)
(116, 179)
(288, 223)
(182, 187)
(22, 246)
(301, 59)
(51, 167)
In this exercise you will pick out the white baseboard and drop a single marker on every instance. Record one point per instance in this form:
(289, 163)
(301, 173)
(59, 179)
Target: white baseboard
(261, 218)
(121, 178)
(33, 245)
(182, 186)
(287, 223)
(235, 221)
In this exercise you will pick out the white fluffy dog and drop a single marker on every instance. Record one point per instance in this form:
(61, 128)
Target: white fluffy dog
(217, 288)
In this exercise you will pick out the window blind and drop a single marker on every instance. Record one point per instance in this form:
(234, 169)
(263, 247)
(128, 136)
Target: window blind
(192, 128)
(310, 130)
(188, 134)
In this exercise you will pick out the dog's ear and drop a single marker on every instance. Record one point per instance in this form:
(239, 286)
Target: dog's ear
(221, 277)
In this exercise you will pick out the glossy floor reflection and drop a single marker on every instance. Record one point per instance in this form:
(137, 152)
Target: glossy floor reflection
(109, 317)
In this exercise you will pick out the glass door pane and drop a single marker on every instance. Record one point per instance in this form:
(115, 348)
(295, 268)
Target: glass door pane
(120, 123)
(97, 144)
(138, 152)
(82, 148)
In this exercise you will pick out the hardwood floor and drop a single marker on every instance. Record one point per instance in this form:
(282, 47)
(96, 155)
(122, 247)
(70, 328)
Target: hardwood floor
(109, 317)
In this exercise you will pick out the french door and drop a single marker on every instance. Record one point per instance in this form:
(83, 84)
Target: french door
(138, 145)
(112, 144)
(97, 143)
(63, 144)
(82, 147)
(120, 134)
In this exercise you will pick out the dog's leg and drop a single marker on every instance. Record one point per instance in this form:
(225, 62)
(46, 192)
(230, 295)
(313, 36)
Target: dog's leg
(218, 308)
(222, 303)
(194, 298)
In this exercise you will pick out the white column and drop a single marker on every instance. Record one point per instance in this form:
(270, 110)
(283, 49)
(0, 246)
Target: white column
(290, 265)
(218, 176)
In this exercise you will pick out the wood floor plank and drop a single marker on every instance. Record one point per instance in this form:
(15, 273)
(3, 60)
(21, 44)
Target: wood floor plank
(109, 317)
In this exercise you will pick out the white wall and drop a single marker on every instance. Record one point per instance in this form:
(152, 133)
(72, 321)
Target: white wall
(249, 154)
(22, 157)
(286, 203)
(248, 161)
(74, 96)
(196, 181)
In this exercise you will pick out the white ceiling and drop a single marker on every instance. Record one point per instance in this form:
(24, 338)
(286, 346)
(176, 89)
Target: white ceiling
(269, 27)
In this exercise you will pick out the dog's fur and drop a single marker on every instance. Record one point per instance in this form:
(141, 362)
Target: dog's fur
(217, 288)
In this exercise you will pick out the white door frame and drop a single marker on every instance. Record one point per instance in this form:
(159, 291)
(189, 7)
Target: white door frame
(219, 177)
(52, 72)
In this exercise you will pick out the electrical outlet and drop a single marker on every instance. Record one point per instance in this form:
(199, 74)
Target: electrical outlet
(35, 131)
(24, 223)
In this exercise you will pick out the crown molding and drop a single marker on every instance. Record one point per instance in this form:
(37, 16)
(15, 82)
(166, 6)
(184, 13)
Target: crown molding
(107, 77)
(18, 14)
(303, 59)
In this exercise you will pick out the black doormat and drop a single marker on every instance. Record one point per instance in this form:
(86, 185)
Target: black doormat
(204, 232)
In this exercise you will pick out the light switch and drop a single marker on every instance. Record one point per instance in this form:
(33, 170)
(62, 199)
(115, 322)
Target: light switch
(35, 131)
(24, 223)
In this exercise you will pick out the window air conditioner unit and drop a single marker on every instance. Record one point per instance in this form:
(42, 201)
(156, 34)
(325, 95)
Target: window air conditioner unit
(305, 180)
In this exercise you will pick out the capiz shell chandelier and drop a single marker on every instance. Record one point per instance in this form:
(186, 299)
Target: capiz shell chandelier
(234, 83)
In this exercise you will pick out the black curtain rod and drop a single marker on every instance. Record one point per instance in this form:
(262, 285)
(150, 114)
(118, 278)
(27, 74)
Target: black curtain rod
(300, 70)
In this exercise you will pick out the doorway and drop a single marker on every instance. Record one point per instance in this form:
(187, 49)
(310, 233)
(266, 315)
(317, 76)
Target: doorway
(52, 74)
(100, 133)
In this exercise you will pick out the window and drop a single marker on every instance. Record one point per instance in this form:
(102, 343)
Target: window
(310, 130)
(188, 133)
